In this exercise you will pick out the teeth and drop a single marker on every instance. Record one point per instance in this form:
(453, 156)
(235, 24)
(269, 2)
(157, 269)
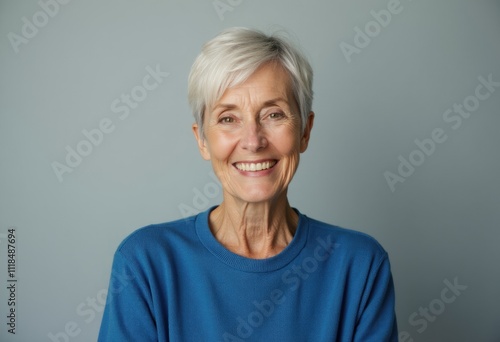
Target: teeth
(255, 166)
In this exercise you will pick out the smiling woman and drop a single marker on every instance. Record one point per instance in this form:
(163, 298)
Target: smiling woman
(253, 139)
(252, 268)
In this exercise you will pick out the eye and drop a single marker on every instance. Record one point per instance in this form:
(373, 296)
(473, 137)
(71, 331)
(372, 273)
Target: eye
(276, 115)
(226, 119)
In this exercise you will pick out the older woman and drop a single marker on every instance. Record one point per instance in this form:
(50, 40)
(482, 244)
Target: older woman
(252, 268)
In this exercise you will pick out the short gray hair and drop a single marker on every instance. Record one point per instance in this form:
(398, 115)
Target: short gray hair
(232, 56)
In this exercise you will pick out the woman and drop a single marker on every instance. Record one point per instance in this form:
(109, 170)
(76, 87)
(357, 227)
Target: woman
(252, 268)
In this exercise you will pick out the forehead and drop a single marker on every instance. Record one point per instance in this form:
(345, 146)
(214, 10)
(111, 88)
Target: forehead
(269, 81)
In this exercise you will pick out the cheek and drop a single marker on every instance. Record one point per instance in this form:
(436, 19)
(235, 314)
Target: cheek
(290, 164)
(220, 146)
(288, 146)
(287, 142)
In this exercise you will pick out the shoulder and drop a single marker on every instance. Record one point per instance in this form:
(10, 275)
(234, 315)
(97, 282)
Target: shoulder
(158, 237)
(348, 243)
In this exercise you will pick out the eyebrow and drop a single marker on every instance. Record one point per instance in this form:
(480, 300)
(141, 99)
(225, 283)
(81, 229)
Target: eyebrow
(274, 101)
(265, 104)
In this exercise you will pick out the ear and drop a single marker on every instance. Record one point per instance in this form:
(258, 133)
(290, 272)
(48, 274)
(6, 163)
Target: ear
(202, 142)
(304, 141)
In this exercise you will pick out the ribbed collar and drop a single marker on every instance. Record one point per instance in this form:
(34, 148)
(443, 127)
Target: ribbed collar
(247, 264)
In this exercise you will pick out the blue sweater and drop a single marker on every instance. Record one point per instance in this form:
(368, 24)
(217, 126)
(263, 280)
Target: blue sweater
(175, 282)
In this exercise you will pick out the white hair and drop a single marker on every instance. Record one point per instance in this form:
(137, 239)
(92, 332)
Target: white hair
(232, 56)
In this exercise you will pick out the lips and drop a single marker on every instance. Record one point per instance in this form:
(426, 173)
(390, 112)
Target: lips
(255, 166)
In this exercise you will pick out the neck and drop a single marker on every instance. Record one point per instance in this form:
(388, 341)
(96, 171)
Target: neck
(254, 230)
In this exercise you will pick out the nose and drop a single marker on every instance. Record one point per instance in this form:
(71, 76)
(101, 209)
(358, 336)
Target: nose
(253, 138)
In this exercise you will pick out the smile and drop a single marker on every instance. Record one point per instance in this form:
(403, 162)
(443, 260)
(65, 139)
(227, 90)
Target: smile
(255, 166)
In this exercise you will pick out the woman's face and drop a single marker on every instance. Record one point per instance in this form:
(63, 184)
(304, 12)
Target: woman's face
(253, 136)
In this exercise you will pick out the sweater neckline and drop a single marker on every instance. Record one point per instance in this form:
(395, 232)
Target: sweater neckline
(247, 264)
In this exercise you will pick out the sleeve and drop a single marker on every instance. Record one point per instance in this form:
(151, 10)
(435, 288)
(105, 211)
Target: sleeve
(128, 314)
(377, 318)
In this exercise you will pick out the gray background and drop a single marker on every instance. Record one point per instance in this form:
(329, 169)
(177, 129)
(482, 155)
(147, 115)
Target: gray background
(440, 224)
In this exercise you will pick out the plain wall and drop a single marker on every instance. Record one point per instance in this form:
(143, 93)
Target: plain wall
(375, 95)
